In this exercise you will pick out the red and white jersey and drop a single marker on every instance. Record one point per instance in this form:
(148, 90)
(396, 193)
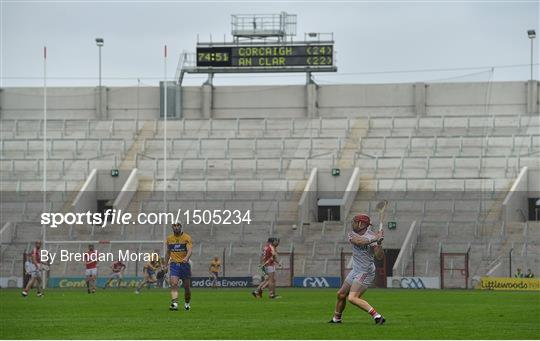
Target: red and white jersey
(362, 256)
(268, 255)
(118, 266)
(90, 259)
(37, 254)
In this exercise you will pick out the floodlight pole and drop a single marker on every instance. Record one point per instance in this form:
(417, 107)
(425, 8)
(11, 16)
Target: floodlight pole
(532, 43)
(138, 104)
(99, 42)
(531, 34)
(99, 87)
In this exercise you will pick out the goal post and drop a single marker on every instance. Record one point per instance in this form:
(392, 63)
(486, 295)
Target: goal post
(285, 273)
(454, 270)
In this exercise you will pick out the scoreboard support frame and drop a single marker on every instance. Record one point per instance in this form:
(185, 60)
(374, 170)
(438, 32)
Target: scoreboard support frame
(300, 51)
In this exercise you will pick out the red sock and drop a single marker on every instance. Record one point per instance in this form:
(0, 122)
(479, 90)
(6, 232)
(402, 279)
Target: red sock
(372, 312)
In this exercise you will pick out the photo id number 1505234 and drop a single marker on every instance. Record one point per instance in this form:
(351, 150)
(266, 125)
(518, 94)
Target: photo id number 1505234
(225, 217)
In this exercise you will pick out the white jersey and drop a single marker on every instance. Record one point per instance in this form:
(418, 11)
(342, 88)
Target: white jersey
(30, 267)
(362, 256)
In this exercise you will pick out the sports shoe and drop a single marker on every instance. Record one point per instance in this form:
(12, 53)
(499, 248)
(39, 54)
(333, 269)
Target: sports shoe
(24, 293)
(39, 294)
(379, 320)
(137, 292)
(334, 321)
(256, 294)
(187, 306)
(274, 297)
(173, 306)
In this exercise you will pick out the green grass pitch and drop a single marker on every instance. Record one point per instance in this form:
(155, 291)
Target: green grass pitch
(299, 314)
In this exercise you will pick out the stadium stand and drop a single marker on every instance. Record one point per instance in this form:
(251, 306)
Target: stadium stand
(429, 167)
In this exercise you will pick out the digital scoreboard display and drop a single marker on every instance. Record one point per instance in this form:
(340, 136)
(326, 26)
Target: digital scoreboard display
(266, 56)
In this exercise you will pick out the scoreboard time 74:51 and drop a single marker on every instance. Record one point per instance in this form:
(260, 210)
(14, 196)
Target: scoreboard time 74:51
(271, 56)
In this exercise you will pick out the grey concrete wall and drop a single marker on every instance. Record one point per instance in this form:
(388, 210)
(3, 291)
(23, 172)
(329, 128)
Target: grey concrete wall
(516, 198)
(526, 185)
(351, 100)
(61, 103)
(129, 189)
(192, 101)
(332, 187)
(308, 202)
(322, 185)
(7, 233)
(467, 98)
(79, 103)
(100, 185)
(86, 200)
(107, 184)
(532, 96)
(123, 103)
(534, 181)
(259, 101)
(350, 193)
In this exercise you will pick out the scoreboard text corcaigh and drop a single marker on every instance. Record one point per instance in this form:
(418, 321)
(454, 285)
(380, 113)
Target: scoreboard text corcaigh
(266, 56)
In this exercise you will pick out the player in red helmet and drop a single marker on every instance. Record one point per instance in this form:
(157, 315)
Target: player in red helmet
(365, 246)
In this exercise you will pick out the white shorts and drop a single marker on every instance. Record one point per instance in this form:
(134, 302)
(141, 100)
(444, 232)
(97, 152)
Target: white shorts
(91, 272)
(364, 278)
(35, 274)
(270, 268)
(116, 275)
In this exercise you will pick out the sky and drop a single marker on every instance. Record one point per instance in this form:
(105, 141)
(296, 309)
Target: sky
(375, 41)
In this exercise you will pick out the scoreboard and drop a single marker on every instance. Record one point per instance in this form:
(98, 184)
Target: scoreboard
(273, 57)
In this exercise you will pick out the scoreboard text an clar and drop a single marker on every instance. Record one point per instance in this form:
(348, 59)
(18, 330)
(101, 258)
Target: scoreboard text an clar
(271, 56)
